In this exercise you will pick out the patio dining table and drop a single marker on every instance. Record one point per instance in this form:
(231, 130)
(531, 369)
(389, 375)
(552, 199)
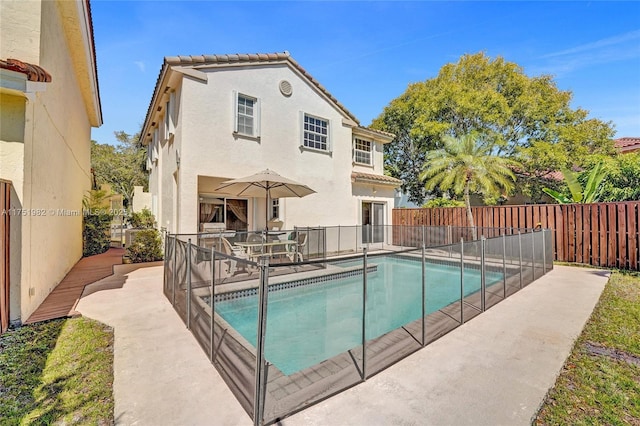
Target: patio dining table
(256, 249)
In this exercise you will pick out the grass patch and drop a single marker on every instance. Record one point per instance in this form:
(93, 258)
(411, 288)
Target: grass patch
(600, 381)
(57, 372)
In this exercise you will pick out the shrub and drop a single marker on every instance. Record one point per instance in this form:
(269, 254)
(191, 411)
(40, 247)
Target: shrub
(96, 224)
(143, 219)
(146, 246)
(443, 202)
(95, 234)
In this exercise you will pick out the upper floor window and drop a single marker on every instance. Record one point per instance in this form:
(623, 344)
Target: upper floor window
(247, 115)
(275, 208)
(362, 151)
(316, 133)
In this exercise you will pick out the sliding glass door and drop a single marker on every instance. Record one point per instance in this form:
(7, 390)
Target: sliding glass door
(223, 213)
(373, 222)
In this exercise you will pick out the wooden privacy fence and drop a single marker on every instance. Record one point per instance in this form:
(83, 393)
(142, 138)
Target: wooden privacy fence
(5, 205)
(600, 234)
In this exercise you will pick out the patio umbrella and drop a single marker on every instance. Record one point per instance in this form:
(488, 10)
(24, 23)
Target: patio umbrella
(267, 184)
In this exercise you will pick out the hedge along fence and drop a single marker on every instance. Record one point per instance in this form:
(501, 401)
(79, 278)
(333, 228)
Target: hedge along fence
(600, 234)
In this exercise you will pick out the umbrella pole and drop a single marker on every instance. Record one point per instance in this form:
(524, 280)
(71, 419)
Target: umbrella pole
(266, 215)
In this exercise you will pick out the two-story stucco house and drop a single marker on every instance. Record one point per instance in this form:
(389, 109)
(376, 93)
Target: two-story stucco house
(218, 117)
(49, 102)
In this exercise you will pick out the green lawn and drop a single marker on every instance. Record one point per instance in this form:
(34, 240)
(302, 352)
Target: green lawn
(600, 381)
(57, 372)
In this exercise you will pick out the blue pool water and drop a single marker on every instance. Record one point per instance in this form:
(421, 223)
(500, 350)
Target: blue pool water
(308, 324)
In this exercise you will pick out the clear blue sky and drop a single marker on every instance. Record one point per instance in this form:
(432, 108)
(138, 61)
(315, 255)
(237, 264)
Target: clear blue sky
(366, 53)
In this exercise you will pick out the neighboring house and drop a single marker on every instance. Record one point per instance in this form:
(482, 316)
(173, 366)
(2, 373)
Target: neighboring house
(217, 117)
(627, 145)
(49, 102)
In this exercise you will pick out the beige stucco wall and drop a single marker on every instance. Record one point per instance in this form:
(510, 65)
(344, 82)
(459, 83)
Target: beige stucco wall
(20, 30)
(12, 110)
(141, 199)
(207, 147)
(51, 168)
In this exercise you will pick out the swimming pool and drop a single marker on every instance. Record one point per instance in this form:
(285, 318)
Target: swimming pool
(309, 324)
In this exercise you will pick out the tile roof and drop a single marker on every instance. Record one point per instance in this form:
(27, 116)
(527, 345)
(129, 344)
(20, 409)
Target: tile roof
(95, 60)
(33, 72)
(375, 179)
(549, 174)
(253, 57)
(627, 144)
(554, 175)
(199, 61)
(369, 130)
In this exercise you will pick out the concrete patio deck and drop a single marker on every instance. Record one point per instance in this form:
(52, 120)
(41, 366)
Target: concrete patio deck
(495, 369)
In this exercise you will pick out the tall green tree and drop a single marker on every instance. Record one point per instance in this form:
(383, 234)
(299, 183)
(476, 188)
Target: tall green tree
(524, 118)
(622, 176)
(467, 165)
(122, 165)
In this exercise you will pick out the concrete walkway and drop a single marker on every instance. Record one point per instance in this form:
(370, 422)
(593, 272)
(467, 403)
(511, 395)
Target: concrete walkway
(494, 370)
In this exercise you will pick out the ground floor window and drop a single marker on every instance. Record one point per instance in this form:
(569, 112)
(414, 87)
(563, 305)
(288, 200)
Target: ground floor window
(223, 213)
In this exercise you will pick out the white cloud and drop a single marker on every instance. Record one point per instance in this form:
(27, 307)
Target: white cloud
(140, 65)
(618, 48)
(599, 44)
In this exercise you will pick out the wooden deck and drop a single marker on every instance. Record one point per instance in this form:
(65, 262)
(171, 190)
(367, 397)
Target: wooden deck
(62, 301)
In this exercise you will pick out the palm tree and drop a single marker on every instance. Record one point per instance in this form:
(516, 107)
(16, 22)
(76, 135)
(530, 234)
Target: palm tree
(465, 165)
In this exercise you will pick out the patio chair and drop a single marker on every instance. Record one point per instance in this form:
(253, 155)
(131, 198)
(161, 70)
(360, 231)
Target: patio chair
(280, 251)
(295, 250)
(255, 239)
(232, 264)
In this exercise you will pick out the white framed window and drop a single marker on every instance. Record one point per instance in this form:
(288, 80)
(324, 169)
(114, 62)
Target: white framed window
(315, 133)
(275, 208)
(362, 150)
(247, 115)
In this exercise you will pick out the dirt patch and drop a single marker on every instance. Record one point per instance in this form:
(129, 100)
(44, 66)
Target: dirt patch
(596, 349)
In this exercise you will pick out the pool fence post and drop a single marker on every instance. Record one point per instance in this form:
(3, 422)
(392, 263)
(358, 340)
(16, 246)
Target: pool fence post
(175, 270)
(544, 255)
(263, 292)
(483, 276)
(164, 257)
(338, 239)
(424, 293)
(212, 354)
(461, 281)
(368, 228)
(504, 266)
(533, 254)
(520, 255)
(189, 284)
(364, 316)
